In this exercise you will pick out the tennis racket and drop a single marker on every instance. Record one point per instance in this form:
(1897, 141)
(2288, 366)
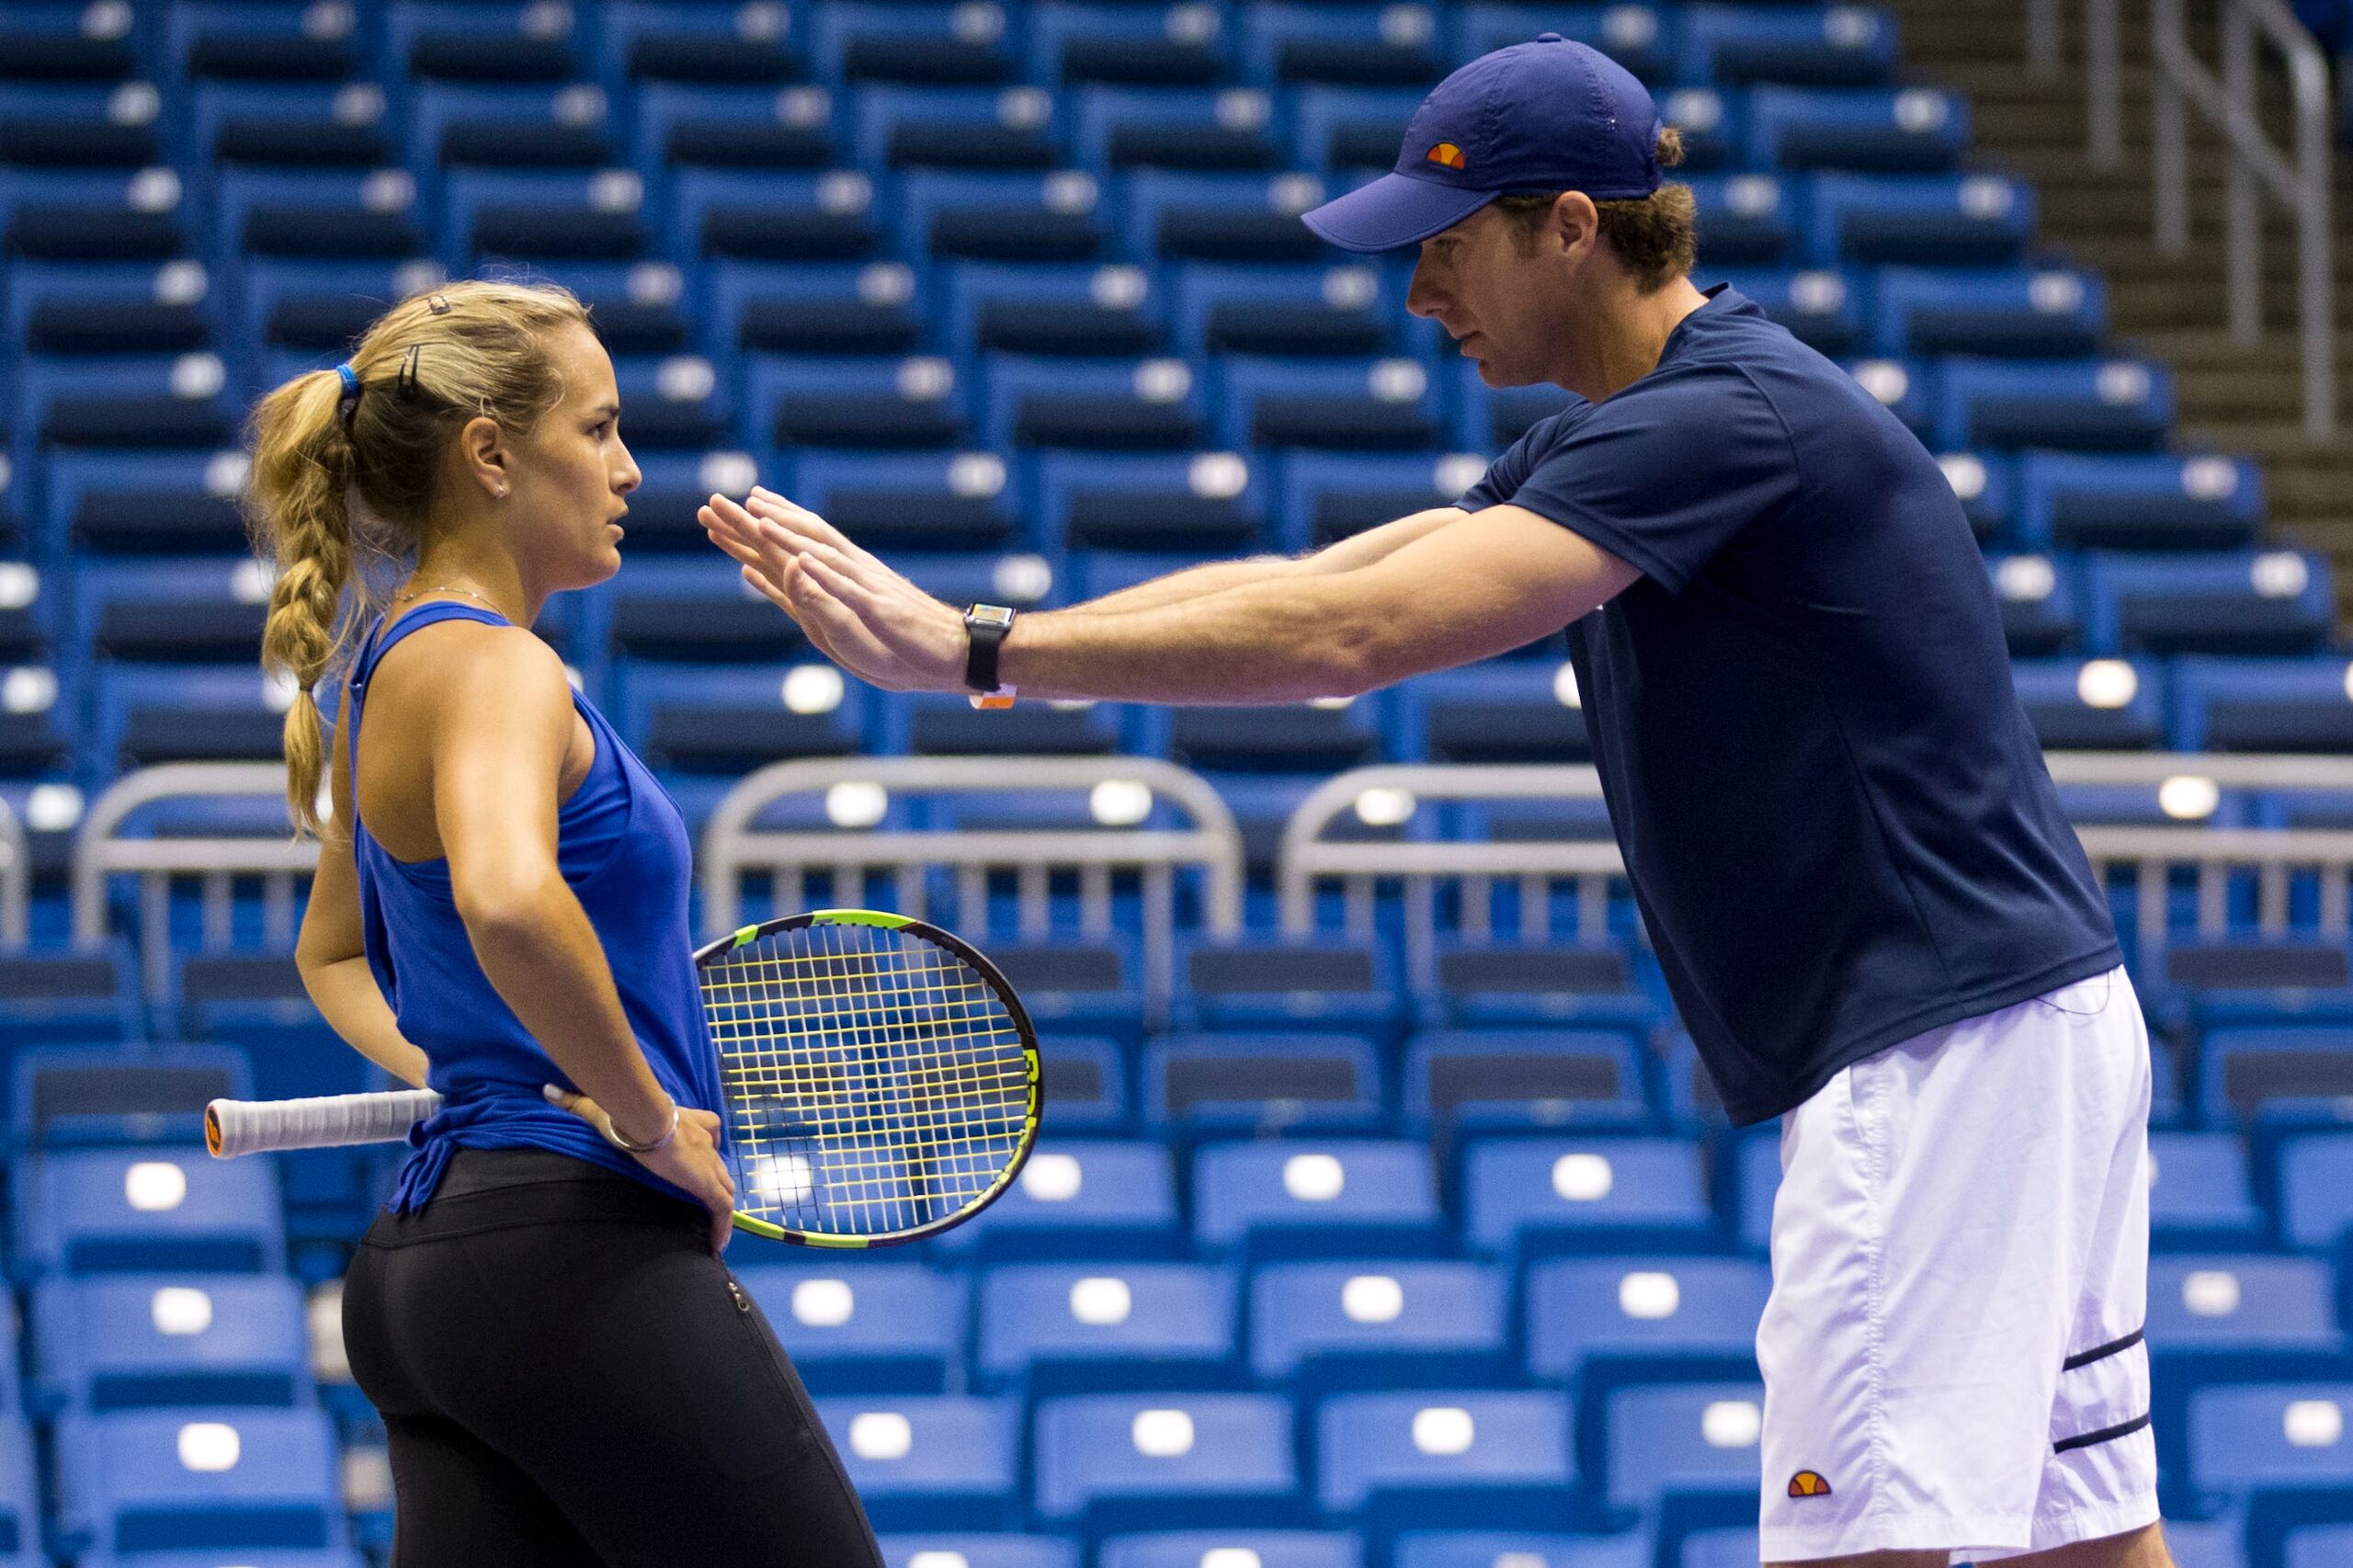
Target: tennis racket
(881, 1080)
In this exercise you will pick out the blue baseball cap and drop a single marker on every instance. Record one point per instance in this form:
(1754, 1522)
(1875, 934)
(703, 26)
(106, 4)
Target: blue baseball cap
(1547, 116)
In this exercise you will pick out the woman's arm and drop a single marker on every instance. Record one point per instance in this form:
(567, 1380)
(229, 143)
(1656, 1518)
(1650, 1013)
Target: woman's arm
(496, 741)
(330, 954)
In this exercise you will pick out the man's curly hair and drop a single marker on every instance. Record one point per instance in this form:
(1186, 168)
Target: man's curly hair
(1657, 236)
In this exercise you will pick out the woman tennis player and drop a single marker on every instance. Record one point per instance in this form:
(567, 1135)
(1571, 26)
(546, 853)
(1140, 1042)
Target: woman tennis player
(568, 1373)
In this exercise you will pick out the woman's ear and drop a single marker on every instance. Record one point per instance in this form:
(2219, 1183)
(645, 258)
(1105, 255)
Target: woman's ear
(484, 446)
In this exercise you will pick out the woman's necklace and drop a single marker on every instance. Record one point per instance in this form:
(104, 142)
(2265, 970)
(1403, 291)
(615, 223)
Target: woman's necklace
(446, 588)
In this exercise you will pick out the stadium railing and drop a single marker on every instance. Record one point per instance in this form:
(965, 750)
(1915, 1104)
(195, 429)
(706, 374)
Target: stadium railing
(16, 880)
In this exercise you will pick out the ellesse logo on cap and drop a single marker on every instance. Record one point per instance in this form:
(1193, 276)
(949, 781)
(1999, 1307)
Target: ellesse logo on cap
(1446, 155)
(1809, 1484)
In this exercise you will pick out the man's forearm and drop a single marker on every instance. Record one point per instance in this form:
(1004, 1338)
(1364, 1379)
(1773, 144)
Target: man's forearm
(1278, 638)
(1216, 577)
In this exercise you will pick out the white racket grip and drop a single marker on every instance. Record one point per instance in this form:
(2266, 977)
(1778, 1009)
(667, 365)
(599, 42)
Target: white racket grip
(254, 1127)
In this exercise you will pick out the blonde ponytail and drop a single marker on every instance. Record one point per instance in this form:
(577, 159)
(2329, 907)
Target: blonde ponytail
(377, 436)
(298, 497)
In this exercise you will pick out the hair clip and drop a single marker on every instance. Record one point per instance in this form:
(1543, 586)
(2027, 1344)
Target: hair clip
(349, 402)
(406, 383)
(438, 303)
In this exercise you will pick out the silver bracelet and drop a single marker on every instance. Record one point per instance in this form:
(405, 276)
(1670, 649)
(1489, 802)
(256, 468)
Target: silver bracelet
(623, 1144)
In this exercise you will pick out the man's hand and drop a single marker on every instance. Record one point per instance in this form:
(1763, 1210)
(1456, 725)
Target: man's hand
(858, 613)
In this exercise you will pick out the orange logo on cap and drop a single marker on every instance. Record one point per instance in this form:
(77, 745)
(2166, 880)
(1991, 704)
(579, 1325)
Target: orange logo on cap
(1446, 155)
(1809, 1484)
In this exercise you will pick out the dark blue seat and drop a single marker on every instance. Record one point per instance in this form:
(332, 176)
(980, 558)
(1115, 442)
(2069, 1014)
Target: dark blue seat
(868, 402)
(2045, 314)
(1483, 1080)
(694, 125)
(112, 307)
(958, 128)
(2276, 601)
(2261, 705)
(1388, 405)
(1749, 219)
(1284, 311)
(2138, 502)
(654, 45)
(2095, 704)
(1350, 128)
(1205, 1085)
(1191, 503)
(1116, 310)
(1159, 404)
(1210, 217)
(1822, 308)
(730, 718)
(2084, 404)
(455, 41)
(320, 215)
(1892, 129)
(1279, 985)
(476, 125)
(929, 44)
(1155, 45)
(1328, 496)
(771, 215)
(1837, 46)
(1929, 221)
(1118, 127)
(1391, 46)
(1639, 37)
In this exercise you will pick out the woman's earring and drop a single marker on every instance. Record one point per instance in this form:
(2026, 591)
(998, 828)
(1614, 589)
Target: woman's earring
(500, 492)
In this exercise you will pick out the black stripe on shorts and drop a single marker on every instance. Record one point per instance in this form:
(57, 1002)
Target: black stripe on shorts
(2105, 1435)
(2102, 1352)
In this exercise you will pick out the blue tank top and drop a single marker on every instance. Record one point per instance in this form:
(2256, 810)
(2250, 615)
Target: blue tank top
(621, 845)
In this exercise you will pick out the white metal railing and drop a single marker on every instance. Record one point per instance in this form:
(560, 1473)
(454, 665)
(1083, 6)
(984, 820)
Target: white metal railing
(16, 880)
(732, 848)
(2299, 183)
(100, 855)
(1537, 867)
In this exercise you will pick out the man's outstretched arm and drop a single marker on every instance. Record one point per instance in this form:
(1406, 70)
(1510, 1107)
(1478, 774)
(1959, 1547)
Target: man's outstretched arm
(1477, 586)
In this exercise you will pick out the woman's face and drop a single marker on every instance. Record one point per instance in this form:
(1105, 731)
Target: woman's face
(572, 474)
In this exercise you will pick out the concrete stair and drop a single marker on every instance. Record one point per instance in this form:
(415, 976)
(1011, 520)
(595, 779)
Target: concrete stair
(2230, 398)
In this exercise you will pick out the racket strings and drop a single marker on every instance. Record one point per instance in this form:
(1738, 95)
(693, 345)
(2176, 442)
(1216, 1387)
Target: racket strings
(877, 1083)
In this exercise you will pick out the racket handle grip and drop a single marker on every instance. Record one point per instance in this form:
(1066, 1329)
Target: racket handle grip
(325, 1121)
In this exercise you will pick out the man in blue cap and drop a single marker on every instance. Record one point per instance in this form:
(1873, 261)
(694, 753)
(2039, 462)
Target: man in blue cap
(1848, 857)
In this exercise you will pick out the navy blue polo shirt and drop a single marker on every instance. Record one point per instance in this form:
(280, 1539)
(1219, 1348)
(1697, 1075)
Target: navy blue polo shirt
(1836, 818)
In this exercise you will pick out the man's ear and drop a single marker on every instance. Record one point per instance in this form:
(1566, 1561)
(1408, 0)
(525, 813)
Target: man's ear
(484, 446)
(1575, 223)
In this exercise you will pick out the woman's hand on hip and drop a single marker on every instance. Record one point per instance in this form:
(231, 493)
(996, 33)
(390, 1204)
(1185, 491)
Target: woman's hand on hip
(689, 1161)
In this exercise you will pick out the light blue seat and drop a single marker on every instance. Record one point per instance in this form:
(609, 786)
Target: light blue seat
(1485, 1549)
(978, 1551)
(2211, 1543)
(1529, 1196)
(134, 1210)
(2316, 1189)
(1726, 1546)
(861, 1326)
(1431, 1460)
(1080, 1198)
(1671, 1446)
(137, 1481)
(1106, 1463)
(1631, 1318)
(2275, 602)
(1061, 1328)
(126, 1340)
(2102, 704)
(2235, 1318)
(2312, 1546)
(925, 1462)
(2201, 1196)
(1373, 1325)
(20, 1506)
(1267, 1548)
(2248, 1440)
(1316, 1197)
(2133, 500)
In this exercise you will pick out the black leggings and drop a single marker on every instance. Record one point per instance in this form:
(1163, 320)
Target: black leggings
(570, 1378)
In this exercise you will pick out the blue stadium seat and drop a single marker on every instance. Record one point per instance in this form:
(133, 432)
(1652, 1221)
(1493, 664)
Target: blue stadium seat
(21, 1508)
(2316, 1546)
(1620, 1319)
(1084, 310)
(2251, 1438)
(1317, 982)
(676, 401)
(1002, 217)
(1919, 220)
(1345, 311)
(978, 1551)
(1140, 1461)
(1837, 46)
(1324, 734)
(1749, 219)
(931, 1462)
(864, 1327)
(1905, 388)
(170, 502)
(451, 40)
(649, 43)
(1351, 128)
(1306, 1197)
(81, 125)
(1639, 37)
(1316, 1328)
(727, 719)
(2097, 704)
(2209, 1543)
(67, 997)
(2047, 313)
(2276, 601)
(236, 39)
(1986, 483)
(2261, 705)
(864, 403)
(1724, 1546)
(1200, 217)
(696, 125)
(1484, 1548)
(2199, 1195)
(151, 714)
(1671, 1447)
(1128, 128)
(328, 123)
(1485, 1080)
(103, 307)
(320, 306)
(138, 1481)
(116, 1210)
(1158, 405)
(298, 214)
(698, 609)
(538, 126)
(95, 215)
(183, 401)
(1267, 1548)
(1065, 1328)
(1085, 1082)
(1365, 46)
(2231, 1318)
(2316, 1189)
(935, 44)
(1160, 504)
(1822, 308)
(1081, 1199)
(1492, 419)
(1527, 1196)
(1157, 46)
(2093, 406)
(129, 1341)
(1502, 984)
(1891, 130)
(1712, 126)
(244, 1557)
(1243, 1084)
(1524, 710)
(1428, 1459)
(1380, 404)
(2128, 502)
(958, 128)
(771, 215)
(1330, 496)
(542, 216)
(2243, 1072)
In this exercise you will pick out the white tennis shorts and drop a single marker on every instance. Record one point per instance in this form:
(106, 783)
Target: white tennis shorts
(1953, 1351)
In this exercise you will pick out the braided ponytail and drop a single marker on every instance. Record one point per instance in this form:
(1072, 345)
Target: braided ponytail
(299, 503)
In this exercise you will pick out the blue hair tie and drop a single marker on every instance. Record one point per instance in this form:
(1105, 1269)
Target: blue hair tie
(350, 390)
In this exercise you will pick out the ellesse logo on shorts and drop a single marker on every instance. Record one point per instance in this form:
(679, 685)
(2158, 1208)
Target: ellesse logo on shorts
(1809, 1484)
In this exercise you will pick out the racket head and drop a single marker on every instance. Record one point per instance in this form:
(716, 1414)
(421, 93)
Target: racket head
(881, 1076)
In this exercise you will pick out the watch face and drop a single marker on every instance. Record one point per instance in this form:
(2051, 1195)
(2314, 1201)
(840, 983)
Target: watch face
(992, 615)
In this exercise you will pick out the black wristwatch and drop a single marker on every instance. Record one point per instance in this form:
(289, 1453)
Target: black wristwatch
(985, 628)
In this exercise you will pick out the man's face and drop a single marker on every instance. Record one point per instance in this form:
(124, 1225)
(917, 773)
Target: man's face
(1502, 296)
